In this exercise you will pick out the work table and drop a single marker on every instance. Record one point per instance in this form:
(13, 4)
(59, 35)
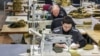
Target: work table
(93, 34)
(7, 30)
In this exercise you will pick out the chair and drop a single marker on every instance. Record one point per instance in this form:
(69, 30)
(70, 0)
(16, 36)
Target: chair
(56, 23)
(46, 7)
(76, 3)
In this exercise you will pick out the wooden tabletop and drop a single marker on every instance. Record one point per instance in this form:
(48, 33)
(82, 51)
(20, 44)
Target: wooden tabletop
(82, 31)
(7, 30)
(94, 34)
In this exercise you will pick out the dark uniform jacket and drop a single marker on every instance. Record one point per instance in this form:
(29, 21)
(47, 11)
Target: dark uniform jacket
(76, 35)
(48, 2)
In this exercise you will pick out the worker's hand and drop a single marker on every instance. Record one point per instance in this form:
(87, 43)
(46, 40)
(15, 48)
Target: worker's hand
(74, 46)
(60, 45)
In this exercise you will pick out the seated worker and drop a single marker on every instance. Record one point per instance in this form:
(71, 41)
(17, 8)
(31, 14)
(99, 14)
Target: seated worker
(57, 22)
(57, 12)
(67, 29)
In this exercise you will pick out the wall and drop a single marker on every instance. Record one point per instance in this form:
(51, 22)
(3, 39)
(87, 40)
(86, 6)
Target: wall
(2, 3)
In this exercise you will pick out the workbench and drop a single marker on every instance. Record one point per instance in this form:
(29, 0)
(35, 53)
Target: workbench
(15, 33)
(21, 50)
(7, 30)
(16, 18)
(93, 34)
(13, 50)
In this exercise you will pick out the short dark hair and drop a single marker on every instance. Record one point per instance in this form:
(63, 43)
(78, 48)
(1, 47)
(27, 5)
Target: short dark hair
(68, 20)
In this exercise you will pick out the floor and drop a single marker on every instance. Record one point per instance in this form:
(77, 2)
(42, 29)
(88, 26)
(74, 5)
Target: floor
(5, 39)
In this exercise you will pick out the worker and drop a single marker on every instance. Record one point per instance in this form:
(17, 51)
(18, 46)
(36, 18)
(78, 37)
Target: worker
(57, 11)
(57, 22)
(67, 29)
(57, 15)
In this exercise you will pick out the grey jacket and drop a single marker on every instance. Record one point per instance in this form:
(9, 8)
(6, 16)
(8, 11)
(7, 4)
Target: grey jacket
(76, 35)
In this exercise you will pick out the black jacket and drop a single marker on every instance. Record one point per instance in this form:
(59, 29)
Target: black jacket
(48, 2)
(76, 35)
